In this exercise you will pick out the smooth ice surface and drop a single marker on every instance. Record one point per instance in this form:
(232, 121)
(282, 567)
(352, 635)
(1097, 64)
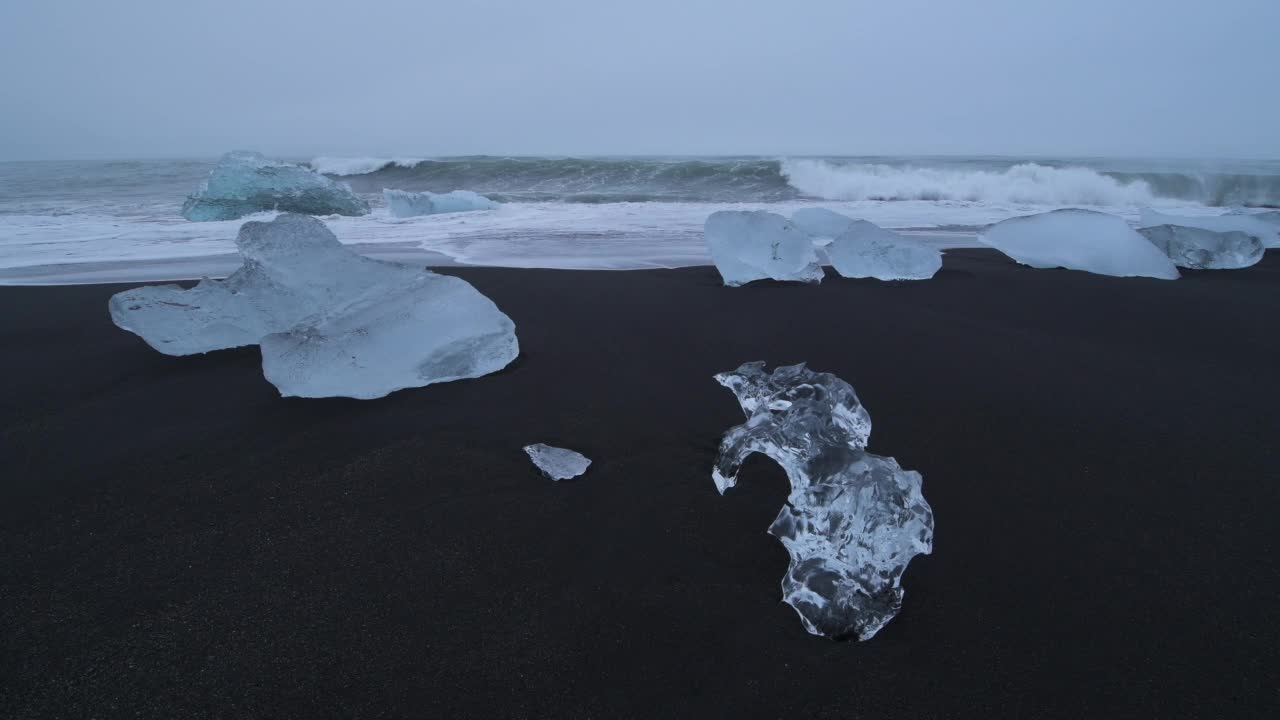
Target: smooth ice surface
(866, 250)
(1200, 249)
(758, 245)
(1079, 240)
(823, 225)
(410, 204)
(329, 321)
(244, 183)
(1258, 225)
(557, 463)
(853, 520)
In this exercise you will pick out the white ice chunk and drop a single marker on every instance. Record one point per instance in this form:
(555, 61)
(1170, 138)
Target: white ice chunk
(1200, 249)
(759, 245)
(866, 250)
(557, 463)
(853, 520)
(823, 225)
(1257, 225)
(329, 322)
(244, 183)
(1079, 240)
(409, 204)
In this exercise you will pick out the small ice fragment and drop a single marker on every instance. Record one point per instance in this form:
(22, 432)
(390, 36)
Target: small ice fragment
(865, 250)
(853, 520)
(1260, 225)
(244, 183)
(758, 245)
(823, 225)
(1079, 240)
(409, 204)
(330, 322)
(1200, 249)
(557, 463)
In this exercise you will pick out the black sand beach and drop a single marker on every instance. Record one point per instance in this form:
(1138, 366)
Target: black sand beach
(176, 541)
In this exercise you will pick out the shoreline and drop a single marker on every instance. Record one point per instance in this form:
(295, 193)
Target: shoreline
(1099, 453)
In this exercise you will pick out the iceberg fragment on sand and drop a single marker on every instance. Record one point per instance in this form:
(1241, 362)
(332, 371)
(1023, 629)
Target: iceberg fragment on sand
(1200, 249)
(823, 225)
(758, 245)
(244, 183)
(1079, 240)
(1260, 225)
(865, 250)
(853, 520)
(409, 204)
(557, 463)
(329, 321)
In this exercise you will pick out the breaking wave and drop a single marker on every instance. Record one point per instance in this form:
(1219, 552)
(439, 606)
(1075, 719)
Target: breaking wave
(754, 179)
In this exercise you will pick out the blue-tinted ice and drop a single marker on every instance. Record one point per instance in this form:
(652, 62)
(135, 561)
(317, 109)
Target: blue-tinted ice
(244, 183)
(409, 204)
(852, 521)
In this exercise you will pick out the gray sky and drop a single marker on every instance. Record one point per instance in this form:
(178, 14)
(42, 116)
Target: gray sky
(132, 78)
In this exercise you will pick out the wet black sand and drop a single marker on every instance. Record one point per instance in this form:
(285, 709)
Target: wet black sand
(176, 541)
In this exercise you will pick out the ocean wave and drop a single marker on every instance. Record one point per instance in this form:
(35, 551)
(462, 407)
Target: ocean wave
(1051, 183)
(1023, 184)
(358, 165)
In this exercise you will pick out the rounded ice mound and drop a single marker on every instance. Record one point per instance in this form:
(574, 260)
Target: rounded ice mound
(246, 182)
(1200, 249)
(557, 463)
(1079, 240)
(823, 225)
(1264, 226)
(330, 322)
(758, 245)
(410, 204)
(866, 250)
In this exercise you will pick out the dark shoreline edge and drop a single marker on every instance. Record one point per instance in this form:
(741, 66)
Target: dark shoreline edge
(178, 541)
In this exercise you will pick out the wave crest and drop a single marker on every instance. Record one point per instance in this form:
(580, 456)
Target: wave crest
(1024, 184)
(326, 165)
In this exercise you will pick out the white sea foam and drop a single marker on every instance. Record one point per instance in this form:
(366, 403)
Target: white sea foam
(358, 165)
(1026, 184)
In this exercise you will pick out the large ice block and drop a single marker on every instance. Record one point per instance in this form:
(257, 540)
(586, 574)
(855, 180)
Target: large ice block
(244, 183)
(758, 245)
(329, 321)
(1079, 240)
(1200, 249)
(866, 250)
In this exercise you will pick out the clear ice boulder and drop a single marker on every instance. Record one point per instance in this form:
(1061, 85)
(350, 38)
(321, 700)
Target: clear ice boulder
(756, 245)
(557, 463)
(1079, 240)
(330, 323)
(1199, 249)
(853, 520)
(866, 250)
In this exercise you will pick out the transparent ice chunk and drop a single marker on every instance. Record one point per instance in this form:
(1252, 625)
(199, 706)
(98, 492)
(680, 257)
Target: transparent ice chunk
(409, 204)
(758, 245)
(244, 183)
(1079, 240)
(557, 463)
(853, 520)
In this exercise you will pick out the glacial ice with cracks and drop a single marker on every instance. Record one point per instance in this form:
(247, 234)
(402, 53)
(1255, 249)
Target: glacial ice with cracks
(330, 322)
(758, 245)
(557, 463)
(1259, 225)
(853, 520)
(1079, 240)
(410, 204)
(866, 250)
(1200, 249)
(244, 183)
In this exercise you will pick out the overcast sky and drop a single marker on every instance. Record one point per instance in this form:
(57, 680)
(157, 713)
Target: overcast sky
(132, 78)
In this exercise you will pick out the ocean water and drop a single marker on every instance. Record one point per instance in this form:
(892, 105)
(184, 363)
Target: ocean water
(119, 220)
